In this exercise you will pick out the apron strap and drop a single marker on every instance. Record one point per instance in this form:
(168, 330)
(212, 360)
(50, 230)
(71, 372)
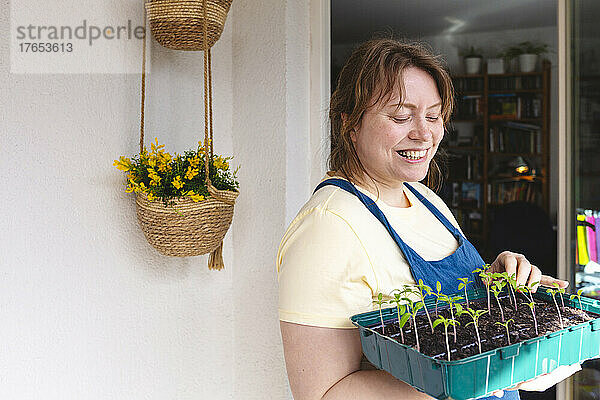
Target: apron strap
(438, 214)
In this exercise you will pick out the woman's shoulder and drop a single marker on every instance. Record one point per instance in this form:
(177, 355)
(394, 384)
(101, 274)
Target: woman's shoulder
(329, 200)
(424, 190)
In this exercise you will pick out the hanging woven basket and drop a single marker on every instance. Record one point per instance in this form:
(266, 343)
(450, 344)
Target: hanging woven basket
(186, 228)
(179, 24)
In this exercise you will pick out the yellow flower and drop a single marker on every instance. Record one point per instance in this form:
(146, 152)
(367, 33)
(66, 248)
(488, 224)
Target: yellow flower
(195, 197)
(155, 147)
(191, 173)
(162, 168)
(221, 163)
(177, 182)
(155, 179)
(144, 156)
(124, 164)
(152, 161)
(151, 197)
(140, 188)
(164, 158)
(130, 189)
(195, 161)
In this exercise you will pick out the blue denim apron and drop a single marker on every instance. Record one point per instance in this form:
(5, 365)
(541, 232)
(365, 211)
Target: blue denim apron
(459, 264)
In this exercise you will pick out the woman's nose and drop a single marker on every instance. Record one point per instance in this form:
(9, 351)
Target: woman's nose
(420, 130)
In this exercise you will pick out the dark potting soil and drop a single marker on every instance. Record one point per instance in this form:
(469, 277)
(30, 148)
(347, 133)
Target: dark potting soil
(492, 335)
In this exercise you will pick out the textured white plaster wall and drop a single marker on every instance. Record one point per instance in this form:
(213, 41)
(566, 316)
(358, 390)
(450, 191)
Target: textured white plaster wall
(270, 139)
(87, 308)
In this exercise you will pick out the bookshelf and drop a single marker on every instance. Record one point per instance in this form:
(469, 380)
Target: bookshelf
(500, 122)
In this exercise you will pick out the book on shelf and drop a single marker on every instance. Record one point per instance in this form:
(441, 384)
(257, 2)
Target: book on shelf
(468, 84)
(513, 106)
(469, 107)
(506, 192)
(515, 83)
(470, 194)
(513, 137)
(465, 166)
(503, 106)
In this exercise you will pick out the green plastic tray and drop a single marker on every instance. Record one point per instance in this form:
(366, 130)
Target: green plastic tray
(481, 374)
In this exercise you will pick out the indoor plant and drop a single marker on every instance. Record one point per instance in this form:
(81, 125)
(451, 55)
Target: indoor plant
(495, 65)
(527, 53)
(472, 57)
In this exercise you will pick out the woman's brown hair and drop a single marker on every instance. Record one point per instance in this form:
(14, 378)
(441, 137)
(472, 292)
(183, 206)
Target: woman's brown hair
(372, 74)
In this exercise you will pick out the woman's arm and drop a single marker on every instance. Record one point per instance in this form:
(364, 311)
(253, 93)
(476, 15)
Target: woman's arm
(324, 363)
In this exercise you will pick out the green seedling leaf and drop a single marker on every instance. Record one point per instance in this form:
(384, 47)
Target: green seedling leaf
(505, 325)
(553, 293)
(424, 288)
(459, 309)
(403, 320)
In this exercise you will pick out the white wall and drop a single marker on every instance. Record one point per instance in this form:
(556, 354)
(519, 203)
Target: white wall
(270, 125)
(89, 310)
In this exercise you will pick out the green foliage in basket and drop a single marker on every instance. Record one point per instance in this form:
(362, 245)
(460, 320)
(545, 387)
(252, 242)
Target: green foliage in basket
(166, 177)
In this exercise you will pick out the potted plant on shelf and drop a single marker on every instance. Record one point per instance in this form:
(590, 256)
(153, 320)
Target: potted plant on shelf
(495, 65)
(527, 53)
(472, 57)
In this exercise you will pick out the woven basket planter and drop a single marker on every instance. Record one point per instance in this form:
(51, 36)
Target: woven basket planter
(187, 228)
(179, 24)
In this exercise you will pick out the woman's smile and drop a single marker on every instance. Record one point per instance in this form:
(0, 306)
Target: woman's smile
(413, 156)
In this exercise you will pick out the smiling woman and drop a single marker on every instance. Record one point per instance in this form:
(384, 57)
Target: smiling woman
(387, 121)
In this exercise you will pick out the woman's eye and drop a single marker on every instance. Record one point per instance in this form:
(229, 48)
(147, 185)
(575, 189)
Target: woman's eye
(433, 117)
(400, 119)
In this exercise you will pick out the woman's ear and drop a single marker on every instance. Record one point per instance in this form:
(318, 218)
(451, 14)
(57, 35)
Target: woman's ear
(352, 131)
(353, 134)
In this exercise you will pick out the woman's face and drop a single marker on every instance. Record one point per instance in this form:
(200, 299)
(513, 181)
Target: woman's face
(396, 145)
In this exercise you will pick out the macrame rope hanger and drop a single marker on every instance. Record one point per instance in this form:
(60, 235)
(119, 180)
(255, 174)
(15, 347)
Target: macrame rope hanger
(215, 260)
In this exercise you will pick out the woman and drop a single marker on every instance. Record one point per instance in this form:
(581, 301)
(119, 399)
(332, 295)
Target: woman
(387, 121)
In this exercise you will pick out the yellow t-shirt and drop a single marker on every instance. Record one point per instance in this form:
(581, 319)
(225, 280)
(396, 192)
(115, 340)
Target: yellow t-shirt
(336, 257)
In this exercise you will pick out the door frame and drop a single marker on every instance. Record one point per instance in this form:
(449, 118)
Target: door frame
(320, 86)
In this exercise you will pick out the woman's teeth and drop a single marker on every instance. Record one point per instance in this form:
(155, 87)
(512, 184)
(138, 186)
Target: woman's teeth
(412, 155)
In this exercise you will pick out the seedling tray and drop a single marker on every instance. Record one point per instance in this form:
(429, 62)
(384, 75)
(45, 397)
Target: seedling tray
(481, 374)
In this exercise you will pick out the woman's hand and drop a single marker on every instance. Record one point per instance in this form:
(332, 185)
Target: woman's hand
(525, 272)
(544, 381)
